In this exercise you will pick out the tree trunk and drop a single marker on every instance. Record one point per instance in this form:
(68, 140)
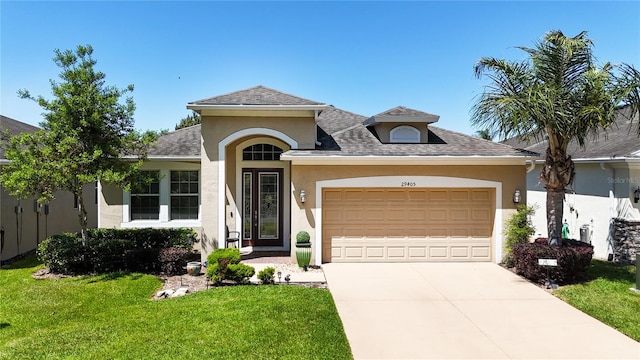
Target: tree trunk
(555, 202)
(557, 174)
(82, 215)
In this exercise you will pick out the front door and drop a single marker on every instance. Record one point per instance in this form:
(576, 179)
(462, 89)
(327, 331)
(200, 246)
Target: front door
(262, 207)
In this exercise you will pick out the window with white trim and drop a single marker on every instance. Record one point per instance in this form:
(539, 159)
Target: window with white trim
(404, 134)
(261, 152)
(184, 195)
(145, 197)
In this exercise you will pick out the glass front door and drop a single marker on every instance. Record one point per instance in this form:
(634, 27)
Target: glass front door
(262, 207)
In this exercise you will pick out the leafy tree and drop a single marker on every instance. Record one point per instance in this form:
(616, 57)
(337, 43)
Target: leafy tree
(85, 134)
(559, 93)
(484, 135)
(189, 120)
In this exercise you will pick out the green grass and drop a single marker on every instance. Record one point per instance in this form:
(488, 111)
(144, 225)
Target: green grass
(607, 297)
(112, 317)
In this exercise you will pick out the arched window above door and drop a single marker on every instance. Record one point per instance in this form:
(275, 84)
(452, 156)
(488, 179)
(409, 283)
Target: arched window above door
(261, 152)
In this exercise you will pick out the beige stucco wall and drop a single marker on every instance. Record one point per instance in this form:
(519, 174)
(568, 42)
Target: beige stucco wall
(234, 130)
(30, 227)
(304, 216)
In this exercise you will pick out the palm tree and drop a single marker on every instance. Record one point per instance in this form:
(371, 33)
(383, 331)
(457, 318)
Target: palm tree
(559, 94)
(484, 134)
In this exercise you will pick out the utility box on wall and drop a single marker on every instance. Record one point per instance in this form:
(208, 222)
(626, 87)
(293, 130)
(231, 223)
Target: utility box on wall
(585, 233)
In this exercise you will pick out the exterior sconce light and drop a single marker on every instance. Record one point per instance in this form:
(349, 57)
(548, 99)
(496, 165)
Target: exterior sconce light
(516, 196)
(303, 196)
(636, 195)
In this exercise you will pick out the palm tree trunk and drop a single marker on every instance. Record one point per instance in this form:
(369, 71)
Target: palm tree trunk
(557, 174)
(555, 201)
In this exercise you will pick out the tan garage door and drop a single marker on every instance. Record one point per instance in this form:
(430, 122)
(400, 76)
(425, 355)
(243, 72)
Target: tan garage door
(400, 224)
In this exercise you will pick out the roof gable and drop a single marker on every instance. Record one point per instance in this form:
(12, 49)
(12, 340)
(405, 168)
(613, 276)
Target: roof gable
(257, 95)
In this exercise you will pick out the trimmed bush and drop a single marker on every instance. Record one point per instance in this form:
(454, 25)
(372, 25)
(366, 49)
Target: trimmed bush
(240, 273)
(173, 260)
(573, 258)
(303, 237)
(65, 254)
(224, 264)
(109, 250)
(266, 275)
(142, 260)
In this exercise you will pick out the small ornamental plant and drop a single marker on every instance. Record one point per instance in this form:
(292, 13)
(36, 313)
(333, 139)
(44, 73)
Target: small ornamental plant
(303, 237)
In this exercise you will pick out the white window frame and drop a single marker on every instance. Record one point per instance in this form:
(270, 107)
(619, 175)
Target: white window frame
(404, 134)
(177, 195)
(164, 220)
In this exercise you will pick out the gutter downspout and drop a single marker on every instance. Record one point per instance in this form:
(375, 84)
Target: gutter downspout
(612, 208)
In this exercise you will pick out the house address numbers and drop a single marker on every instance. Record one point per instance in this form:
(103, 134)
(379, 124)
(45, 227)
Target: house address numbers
(408, 184)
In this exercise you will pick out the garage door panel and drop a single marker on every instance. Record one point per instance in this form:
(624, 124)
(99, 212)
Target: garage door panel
(419, 224)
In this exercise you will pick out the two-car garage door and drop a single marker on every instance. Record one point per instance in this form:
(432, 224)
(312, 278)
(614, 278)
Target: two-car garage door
(407, 224)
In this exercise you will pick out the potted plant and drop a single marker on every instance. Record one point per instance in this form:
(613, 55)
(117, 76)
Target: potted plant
(303, 249)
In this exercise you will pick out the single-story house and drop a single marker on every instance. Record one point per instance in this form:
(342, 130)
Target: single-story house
(24, 223)
(607, 181)
(390, 187)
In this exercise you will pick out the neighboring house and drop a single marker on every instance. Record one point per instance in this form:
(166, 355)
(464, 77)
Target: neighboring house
(607, 177)
(391, 187)
(23, 223)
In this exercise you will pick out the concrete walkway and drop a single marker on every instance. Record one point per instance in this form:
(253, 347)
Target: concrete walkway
(462, 311)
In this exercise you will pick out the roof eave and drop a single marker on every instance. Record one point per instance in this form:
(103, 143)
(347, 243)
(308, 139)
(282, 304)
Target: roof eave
(403, 160)
(200, 107)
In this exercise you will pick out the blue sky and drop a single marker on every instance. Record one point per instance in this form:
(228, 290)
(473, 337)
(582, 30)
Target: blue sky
(364, 57)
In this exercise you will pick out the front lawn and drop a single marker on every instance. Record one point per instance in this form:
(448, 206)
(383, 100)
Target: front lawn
(112, 317)
(607, 297)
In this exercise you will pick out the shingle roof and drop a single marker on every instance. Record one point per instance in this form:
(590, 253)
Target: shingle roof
(619, 140)
(404, 111)
(15, 127)
(341, 133)
(258, 95)
(183, 142)
(346, 135)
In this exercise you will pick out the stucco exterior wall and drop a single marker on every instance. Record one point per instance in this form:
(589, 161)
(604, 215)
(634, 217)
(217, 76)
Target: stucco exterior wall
(600, 195)
(23, 231)
(304, 216)
(230, 131)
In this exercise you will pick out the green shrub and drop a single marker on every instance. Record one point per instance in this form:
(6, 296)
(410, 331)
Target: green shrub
(266, 275)
(518, 231)
(302, 237)
(142, 260)
(573, 258)
(109, 250)
(240, 273)
(224, 264)
(65, 254)
(107, 255)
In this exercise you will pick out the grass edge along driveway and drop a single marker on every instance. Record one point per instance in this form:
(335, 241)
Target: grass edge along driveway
(607, 297)
(112, 316)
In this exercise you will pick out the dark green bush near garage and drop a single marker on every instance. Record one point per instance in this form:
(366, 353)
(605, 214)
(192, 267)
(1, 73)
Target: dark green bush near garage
(573, 258)
(109, 250)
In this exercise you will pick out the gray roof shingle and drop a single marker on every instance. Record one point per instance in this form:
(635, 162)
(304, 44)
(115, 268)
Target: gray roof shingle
(183, 142)
(15, 127)
(619, 140)
(404, 111)
(258, 95)
(340, 133)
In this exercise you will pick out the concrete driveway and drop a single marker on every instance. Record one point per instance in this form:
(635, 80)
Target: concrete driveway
(462, 311)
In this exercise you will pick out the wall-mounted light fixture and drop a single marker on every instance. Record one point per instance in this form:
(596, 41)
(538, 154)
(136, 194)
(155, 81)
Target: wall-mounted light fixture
(636, 195)
(516, 196)
(303, 196)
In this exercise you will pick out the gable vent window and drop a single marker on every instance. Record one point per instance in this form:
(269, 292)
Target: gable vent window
(261, 152)
(404, 134)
